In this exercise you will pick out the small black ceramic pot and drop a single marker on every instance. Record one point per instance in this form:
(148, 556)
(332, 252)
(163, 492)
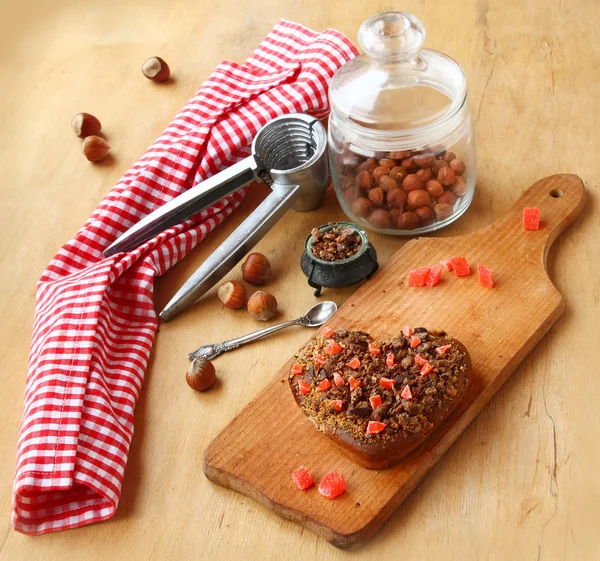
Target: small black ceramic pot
(345, 272)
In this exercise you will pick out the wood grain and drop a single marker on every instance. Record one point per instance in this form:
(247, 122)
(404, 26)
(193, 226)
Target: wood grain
(519, 483)
(258, 451)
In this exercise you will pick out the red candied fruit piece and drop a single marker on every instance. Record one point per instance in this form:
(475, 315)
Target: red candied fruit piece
(434, 276)
(328, 332)
(390, 359)
(406, 393)
(374, 349)
(407, 331)
(420, 360)
(338, 380)
(426, 369)
(354, 383)
(337, 404)
(375, 401)
(332, 485)
(303, 387)
(531, 218)
(414, 342)
(302, 478)
(354, 363)
(321, 359)
(333, 348)
(375, 427)
(447, 263)
(485, 276)
(461, 266)
(386, 382)
(441, 351)
(324, 385)
(297, 369)
(417, 277)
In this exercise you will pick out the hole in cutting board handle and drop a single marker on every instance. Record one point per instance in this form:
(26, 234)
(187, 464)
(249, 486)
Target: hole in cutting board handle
(555, 193)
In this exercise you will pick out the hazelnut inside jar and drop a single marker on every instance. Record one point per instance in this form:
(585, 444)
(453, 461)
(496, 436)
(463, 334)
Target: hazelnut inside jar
(401, 140)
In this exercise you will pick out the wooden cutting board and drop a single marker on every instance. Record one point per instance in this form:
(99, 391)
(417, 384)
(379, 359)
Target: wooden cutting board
(256, 453)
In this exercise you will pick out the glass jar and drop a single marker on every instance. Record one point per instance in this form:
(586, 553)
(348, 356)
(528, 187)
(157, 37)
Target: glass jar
(401, 141)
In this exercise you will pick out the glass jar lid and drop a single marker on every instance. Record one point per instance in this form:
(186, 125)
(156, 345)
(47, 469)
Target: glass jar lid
(397, 86)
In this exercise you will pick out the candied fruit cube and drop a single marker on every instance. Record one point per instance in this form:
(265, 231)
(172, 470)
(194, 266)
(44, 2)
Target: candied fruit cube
(303, 387)
(417, 277)
(447, 263)
(434, 276)
(328, 332)
(531, 218)
(337, 404)
(333, 348)
(332, 485)
(302, 478)
(420, 360)
(375, 427)
(414, 342)
(354, 363)
(338, 380)
(441, 351)
(374, 349)
(406, 393)
(485, 276)
(461, 266)
(386, 382)
(407, 331)
(324, 385)
(321, 359)
(297, 369)
(390, 359)
(375, 401)
(354, 383)
(426, 369)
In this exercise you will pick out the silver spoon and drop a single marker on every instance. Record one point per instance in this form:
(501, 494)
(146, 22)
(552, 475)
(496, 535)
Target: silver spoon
(316, 316)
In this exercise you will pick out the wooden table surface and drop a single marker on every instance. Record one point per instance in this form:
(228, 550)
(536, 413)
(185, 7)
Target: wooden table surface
(522, 481)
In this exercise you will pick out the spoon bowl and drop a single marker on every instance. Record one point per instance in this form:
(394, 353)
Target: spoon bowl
(320, 313)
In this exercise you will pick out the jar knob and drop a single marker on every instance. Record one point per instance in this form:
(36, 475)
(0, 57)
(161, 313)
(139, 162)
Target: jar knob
(391, 36)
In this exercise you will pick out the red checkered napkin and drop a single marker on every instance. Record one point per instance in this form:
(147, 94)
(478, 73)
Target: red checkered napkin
(94, 320)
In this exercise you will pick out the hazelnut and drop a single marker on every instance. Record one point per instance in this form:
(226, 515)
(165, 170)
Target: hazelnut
(262, 306)
(395, 215)
(412, 182)
(368, 165)
(449, 156)
(446, 176)
(438, 165)
(458, 166)
(442, 211)
(425, 174)
(156, 69)
(377, 196)
(408, 221)
(398, 173)
(424, 160)
(85, 124)
(201, 375)
(388, 162)
(95, 148)
(434, 188)
(409, 165)
(400, 155)
(380, 171)
(363, 180)
(425, 215)
(419, 198)
(396, 197)
(387, 183)
(232, 294)
(381, 218)
(361, 207)
(459, 189)
(256, 269)
(447, 197)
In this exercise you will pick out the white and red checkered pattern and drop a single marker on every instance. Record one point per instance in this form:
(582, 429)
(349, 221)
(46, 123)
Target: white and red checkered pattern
(94, 320)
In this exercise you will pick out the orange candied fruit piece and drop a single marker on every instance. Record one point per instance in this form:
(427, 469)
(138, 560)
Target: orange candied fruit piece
(406, 393)
(426, 369)
(332, 485)
(324, 385)
(375, 427)
(485, 276)
(447, 263)
(328, 332)
(338, 380)
(321, 359)
(303, 387)
(461, 266)
(414, 342)
(337, 404)
(297, 369)
(386, 382)
(407, 331)
(441, 351)
(420, 360)
(333, 348)
(390, 359)
(302, 478)
(417, 277)
(354, 363)
(434, 276)
(374, 349)
(354, 383)
(375, 401)
(531, 218)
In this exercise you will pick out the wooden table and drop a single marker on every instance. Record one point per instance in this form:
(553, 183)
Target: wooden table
(521, 483)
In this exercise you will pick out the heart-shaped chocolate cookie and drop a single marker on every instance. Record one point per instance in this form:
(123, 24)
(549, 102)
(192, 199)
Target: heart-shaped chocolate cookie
(380, 400)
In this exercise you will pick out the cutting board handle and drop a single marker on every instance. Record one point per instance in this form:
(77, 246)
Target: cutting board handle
(560, 198)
